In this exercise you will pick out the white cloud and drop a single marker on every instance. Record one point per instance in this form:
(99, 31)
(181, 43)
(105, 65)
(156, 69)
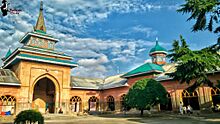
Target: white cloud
(66, 18)
(146, 30)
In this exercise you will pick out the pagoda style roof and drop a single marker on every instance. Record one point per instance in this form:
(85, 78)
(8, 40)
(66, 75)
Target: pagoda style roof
(158, 49)
(7, 77)
(42, 59)
(145, 69)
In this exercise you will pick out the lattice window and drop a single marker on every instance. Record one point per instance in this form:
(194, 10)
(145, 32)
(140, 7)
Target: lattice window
(93, 99)
(75, 99)
(122, 98)
(7, 100)
(215, 91)
(110, 99)
(185, 93)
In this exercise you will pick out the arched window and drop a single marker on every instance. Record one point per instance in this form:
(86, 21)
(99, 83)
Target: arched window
(122, 102)
(93, 103)
(111, 103)
(7, 103)
(215, 95)
(76, 104)
(191, 99)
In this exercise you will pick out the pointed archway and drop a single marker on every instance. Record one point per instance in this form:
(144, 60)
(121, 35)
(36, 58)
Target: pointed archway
(191, 99)
(93, 103)
(111, 103)
(76, 104)
(44, 95)
(215, 92)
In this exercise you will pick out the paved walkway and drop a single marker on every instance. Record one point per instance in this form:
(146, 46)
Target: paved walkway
(158, 118)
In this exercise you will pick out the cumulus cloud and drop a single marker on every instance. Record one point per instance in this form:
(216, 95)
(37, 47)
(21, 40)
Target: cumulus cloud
(65, 19)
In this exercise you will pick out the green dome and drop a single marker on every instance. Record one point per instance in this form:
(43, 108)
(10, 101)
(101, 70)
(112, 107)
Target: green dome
(158, 48)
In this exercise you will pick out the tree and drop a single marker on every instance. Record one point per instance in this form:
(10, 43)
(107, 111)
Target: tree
(146, 93)
(200, 10)
(194, 65)
(29, 116)
(178, 50)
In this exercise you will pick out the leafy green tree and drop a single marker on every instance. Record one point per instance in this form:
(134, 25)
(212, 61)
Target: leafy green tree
(194, 65)
(201, 11)
(178, 50)
(146, 93)
(29, 116)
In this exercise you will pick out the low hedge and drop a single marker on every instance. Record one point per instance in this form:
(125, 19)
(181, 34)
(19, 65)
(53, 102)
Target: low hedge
(29, 116)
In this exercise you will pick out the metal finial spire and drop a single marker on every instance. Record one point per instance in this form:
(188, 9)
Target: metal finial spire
(41, 5)
(40, 25)
(156, 40)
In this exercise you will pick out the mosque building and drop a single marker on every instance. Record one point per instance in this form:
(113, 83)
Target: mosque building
(37, 76)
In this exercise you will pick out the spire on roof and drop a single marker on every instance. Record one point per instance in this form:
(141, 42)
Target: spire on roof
(8, 53)
(156, 40)
(40, 25)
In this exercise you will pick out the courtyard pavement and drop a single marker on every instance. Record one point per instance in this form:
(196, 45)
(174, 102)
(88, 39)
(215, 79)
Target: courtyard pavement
(136, 119)
(156, 118)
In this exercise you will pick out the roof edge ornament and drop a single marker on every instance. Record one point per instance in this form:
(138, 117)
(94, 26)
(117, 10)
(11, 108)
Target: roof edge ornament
(40, 25)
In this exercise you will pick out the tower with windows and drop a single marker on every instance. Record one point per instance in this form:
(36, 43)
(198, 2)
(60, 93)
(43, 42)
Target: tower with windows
(158, 54)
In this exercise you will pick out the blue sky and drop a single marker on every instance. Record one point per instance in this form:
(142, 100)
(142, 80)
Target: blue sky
(105, 37)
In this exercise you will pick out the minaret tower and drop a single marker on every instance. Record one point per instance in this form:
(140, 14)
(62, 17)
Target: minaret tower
(158, 54)
(40, 25)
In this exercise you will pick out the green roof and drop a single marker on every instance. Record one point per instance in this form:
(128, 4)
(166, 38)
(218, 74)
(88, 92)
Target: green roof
(158, 48)
(145, 68)
(45, 59)
(40, 32)
(8, 53)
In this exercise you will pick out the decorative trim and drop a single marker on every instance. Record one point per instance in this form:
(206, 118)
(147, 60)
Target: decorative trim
(85, 88)
(158, 52)
(9, 62)
(12, 54)
(37, 35)
(125, 85)
(52, 54)
(11, 84)
(46, 61)
(142, 73)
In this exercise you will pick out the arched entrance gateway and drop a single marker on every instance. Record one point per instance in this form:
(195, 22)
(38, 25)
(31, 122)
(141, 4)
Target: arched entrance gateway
(44, 95)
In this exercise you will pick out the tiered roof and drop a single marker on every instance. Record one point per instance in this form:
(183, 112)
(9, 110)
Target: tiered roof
(38, 46)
